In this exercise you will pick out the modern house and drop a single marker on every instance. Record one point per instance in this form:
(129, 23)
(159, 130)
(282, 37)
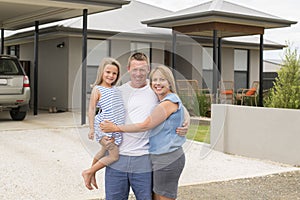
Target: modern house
(120, 32)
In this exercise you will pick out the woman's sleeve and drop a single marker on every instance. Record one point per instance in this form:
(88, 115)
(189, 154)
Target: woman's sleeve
(160, 113)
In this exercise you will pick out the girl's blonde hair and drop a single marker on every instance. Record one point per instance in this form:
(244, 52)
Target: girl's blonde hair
(102, 65)
(167, 73)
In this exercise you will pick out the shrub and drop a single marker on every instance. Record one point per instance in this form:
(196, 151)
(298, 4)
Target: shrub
(204, 105)
(286, 90)
(190, 103)
(197, 105)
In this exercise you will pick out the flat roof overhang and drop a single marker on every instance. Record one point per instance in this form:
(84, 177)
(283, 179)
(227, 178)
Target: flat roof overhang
(18, 14)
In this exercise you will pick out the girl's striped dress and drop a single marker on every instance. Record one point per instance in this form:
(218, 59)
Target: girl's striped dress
(111, 108)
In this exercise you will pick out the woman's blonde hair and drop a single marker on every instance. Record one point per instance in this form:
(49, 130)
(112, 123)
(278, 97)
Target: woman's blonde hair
(102, 65)
(167, 73)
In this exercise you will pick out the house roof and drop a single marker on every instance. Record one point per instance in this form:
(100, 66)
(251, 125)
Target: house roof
(17, 14)
(272, 65)
(229, 18)
(127, 19)
(112, 22)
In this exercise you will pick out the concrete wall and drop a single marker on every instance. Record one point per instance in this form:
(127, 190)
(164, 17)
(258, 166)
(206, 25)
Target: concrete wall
(158, 53)
(227, 64)
(264, 133)
(52, 72)
(74, 76)
(254, 66)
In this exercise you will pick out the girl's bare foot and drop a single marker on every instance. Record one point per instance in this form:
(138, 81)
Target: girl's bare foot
(93, 181)
(87, 177)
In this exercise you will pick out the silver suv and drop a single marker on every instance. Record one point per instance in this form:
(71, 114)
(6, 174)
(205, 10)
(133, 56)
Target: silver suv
(14, 88)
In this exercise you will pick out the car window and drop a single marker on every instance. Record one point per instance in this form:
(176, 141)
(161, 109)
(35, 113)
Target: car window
(9, 67)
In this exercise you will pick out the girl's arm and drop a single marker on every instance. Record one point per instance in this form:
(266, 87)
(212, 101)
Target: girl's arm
(95, 96)
(160, 113)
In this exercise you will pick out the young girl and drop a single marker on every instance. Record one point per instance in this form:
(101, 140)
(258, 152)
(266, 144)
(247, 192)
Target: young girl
(107, 97)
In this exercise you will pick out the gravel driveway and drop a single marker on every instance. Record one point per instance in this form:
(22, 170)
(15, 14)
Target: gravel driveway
(283, 186)
(43, 156)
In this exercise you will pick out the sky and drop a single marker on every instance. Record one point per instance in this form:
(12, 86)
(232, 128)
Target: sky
(287, 9)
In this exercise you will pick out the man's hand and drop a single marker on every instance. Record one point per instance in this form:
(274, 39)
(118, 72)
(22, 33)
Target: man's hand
(107, 142)
(182, 131)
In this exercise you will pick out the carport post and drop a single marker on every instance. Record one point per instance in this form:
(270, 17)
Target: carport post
(219, 59)
(261, 65)
(174, 37)
(215, 63)
(36, 64)
(84, 64)
(2, 40)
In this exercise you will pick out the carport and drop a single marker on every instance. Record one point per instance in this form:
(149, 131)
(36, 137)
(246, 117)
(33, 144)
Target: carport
(19, 14)
(219, 19)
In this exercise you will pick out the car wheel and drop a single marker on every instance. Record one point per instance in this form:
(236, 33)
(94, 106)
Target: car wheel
(17, 115)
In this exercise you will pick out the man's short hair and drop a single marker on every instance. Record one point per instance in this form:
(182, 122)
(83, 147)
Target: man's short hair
(138, 56)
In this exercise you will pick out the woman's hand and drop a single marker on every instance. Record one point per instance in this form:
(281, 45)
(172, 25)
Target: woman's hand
(107, 126)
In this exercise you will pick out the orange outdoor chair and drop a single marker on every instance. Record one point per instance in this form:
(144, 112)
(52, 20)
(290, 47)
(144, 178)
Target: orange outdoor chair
(249, 93)
(225, 92)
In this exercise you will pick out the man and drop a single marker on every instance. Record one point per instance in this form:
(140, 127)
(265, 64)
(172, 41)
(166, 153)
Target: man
(133, 169)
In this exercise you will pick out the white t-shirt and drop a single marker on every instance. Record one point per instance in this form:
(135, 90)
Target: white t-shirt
(139, 103)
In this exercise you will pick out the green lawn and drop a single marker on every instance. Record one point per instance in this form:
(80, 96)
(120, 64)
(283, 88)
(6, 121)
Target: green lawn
(200, 133)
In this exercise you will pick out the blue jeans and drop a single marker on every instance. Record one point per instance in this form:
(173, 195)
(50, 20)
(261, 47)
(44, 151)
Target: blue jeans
(129, 171)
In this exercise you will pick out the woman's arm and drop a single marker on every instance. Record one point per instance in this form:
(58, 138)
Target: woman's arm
(160, 113)
(95, 96)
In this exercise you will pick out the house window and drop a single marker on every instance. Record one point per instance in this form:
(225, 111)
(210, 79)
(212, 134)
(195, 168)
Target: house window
(96, 51)
(143, 47)
(14, 50)
(240, 68)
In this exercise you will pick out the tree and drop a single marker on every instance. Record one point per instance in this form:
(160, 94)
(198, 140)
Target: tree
(286, 90)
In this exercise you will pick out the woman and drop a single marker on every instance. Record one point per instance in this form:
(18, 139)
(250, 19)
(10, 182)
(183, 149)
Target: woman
(166, 151)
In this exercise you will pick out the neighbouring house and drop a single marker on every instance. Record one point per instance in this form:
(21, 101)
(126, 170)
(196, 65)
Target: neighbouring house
(118, 33)
(271, 67)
